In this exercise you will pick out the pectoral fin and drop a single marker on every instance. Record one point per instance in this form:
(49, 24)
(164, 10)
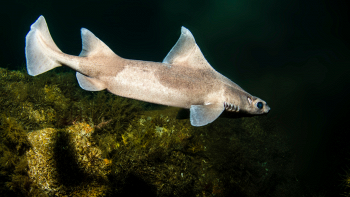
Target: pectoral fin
(201, 115)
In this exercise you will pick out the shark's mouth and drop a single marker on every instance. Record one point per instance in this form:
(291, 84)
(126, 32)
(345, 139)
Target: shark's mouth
(231, 107)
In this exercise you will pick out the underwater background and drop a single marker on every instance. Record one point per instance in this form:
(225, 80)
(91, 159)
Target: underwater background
(59, 140)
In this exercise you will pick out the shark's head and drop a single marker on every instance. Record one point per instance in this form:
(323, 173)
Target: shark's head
(255, 105)
(237, 100)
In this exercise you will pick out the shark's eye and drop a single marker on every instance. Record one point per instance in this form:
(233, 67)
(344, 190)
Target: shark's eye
(260, 105)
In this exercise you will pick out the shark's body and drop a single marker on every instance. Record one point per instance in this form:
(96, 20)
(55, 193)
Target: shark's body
(184, 79)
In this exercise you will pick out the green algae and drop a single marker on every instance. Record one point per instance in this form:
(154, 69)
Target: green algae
(48, 101)
(169, 157)
(64, 162)
(346, 183)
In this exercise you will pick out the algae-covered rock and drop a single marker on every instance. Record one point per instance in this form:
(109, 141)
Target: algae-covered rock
(59, 140)
(57, 156)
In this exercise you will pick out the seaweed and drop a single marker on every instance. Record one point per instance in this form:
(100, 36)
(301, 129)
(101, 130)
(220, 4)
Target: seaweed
(346, 183)
(66, 161)
(57, 139)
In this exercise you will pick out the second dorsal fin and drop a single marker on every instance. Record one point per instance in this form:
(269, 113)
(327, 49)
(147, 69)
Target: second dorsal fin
(93, 46)
(186, 52)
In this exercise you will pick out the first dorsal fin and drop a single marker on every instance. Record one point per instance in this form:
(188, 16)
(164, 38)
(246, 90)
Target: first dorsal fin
(93, 46)
(186, 52)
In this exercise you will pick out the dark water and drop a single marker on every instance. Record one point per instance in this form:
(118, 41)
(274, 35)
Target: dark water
(292, 54)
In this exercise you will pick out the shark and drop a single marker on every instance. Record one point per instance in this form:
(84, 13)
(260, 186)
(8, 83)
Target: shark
(184, 79)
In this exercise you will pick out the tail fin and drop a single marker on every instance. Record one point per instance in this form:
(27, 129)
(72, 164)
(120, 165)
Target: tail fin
(39, 48)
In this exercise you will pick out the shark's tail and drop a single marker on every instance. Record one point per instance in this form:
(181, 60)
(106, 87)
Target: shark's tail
(40, 48)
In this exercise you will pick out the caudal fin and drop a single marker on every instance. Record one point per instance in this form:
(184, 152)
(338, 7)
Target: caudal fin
(40, 49)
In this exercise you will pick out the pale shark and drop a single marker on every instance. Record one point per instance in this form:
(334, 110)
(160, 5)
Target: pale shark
(184, 79)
